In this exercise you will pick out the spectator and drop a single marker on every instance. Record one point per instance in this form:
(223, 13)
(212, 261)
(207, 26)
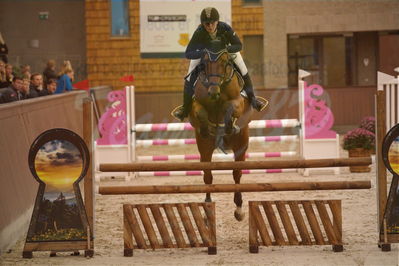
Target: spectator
(36, 85)
(3, 80)
(9, 73)
(3, 50)
(65, 82)
(65, 67)
(51, 86)
(49, 72)
(25, 72)
(12, 93)
(25, 88)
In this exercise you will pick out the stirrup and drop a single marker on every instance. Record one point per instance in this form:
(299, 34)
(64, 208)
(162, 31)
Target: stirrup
(261, 103)
(178, 113)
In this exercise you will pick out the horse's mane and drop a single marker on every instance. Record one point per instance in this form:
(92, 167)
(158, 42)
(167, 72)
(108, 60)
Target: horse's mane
(214, 56)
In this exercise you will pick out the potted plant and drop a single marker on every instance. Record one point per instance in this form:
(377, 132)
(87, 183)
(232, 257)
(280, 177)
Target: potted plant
(368, 123)
(359, 142)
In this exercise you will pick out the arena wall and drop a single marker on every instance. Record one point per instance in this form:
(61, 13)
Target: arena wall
(109, 58)
(318, 17)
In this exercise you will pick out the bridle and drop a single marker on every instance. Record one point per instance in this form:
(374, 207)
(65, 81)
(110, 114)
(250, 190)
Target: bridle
(224, 78)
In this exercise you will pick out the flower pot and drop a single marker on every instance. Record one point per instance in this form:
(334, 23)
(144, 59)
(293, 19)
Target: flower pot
(359, 152)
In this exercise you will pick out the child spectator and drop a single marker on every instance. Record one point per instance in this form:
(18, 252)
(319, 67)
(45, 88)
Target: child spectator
(51, 86)
(65, 82)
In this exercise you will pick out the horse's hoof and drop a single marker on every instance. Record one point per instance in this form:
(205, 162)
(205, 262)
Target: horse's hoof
(239, 215)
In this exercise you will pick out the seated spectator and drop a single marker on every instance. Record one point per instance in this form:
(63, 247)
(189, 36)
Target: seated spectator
(25, 88)
(3, 50)
(49, 72)
(12, 93)
(65, 67)
(51, 86)
(25, 71)
(3, 80)
(36, 85)
(64, 82)
(9, 73)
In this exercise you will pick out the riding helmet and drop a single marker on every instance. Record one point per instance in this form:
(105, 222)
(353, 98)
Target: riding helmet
(209, 14)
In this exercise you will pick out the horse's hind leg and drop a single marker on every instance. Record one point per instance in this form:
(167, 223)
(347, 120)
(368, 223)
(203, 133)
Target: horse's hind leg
(239, 155)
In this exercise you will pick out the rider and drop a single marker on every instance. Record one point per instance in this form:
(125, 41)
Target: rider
(211, 29)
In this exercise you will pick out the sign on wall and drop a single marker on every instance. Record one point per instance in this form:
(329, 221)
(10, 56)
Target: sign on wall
(167, 26)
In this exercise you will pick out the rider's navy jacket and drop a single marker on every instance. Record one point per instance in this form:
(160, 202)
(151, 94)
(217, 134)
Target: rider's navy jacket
(202, 40)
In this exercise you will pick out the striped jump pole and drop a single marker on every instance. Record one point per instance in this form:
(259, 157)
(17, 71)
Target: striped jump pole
(224, 188)
(255, 124)
(277, 164)
(179, 142)
(215, 172)
(220, 156)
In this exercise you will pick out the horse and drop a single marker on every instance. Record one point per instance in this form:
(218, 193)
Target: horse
(220, 114)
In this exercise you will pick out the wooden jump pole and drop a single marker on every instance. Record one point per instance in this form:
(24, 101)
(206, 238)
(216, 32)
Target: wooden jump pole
(278, 164)
(222, 188)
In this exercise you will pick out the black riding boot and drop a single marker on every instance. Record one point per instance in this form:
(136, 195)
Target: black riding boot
(249, 89)
(188, 93)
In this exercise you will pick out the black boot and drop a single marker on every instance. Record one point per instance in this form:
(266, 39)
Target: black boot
(249, 90)
(183, 111)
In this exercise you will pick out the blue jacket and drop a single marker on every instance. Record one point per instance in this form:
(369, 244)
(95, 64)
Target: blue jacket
(202, 40)
(64, 83)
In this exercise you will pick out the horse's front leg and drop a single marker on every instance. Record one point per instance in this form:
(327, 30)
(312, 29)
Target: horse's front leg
(201, 116)
(233, 110)
(206, 151)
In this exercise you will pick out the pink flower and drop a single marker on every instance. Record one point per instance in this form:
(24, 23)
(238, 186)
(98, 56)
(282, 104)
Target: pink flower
(359, 138)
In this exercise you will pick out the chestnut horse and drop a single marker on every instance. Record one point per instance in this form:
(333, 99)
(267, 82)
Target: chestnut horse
(220, 115)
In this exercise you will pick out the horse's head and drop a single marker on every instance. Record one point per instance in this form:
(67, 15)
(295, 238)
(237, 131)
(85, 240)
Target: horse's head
(216, 71)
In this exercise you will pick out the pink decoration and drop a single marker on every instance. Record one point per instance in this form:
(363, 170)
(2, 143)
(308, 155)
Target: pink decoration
(112, 124)
(318, 117)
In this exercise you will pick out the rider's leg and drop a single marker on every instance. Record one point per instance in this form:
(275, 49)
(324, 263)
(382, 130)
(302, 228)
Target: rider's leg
(188, 92)
(248, 87)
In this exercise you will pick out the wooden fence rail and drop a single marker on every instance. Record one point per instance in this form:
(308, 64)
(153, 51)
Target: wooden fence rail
(221, 188)
(278, 164)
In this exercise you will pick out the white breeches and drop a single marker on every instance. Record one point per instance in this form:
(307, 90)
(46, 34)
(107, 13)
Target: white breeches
(238, 61)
